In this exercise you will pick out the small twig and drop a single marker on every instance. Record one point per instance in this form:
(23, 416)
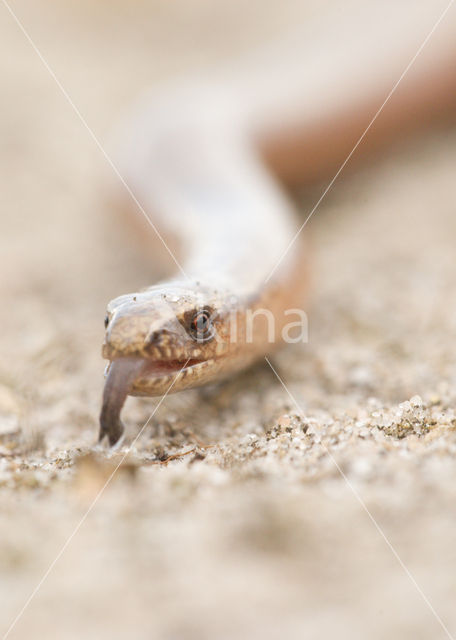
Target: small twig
(175, 456)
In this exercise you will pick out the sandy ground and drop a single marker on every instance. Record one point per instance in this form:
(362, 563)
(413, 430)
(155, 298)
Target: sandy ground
(335, 521)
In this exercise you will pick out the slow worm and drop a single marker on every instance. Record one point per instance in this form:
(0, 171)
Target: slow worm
(208, 161)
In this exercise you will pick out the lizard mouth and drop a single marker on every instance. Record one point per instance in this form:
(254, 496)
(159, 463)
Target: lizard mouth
(158, 368)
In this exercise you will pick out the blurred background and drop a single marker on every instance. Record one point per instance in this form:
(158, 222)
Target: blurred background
(250, 530)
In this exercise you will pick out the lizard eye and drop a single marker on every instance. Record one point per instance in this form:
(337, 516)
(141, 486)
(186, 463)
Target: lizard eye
(201, 325)
(106, 321)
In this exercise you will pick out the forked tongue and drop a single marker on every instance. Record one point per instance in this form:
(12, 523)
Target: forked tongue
(121, 375)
